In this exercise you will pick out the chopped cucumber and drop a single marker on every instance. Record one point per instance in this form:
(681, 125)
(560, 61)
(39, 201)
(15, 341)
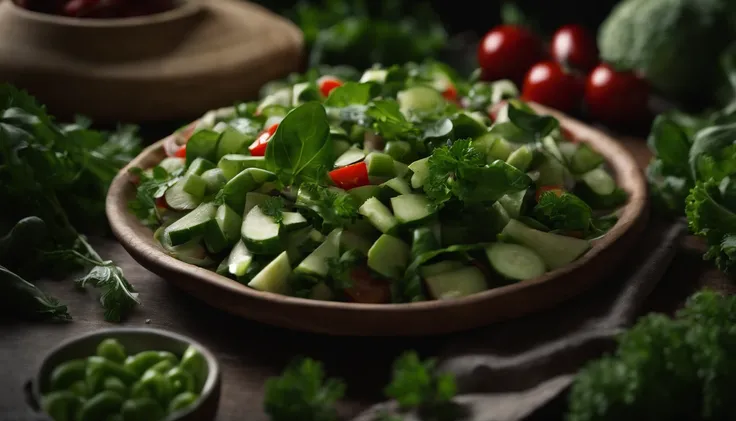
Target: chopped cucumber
(178, 199)
(567, 149)
(202, 144)
(340, 146)
(298, 242)
(457, 283)
(353, 241)
(316, 263)
(199, 165)
(321, 292)
(550, 145)
(380, 165)
(493, 146)
(363, 193)
(411, 208)
(226, 231)
(556, 250)
(515, 262)
(192, 225)
(551, 172)
(585, 159)
(401, 169)
(599, 181)
(396, 186)
(378, 214)
(232, 142)
(499, 217)
(214, 180)
(420, 98)
(374, 75)
(521, 158)
(399, 150)
(514, 203)
(239, 259)
(191, 252)
(281, 97)
(389, 256)
(293, 221)
(231, 165)
(350, 156)
(440, 267)
(261, 233)
(172, 164)
(274, 277)
(194, 185)
(468, 126)
(235, 191)
(420, 169)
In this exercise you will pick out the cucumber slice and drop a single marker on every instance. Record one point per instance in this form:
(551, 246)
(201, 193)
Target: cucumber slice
(514, 203)
(401, 169)
(282, 97)
(585, 159)
(191, 252)
(551, 172)
(550, 145)
(194, 185)
(380, 165)
(261, 233)
(599, 181)
(172, 164)
(378, 214)
(232, 142)
(521, 158)
(374, 75)
(396, 186)
(498, 217)
(231, 165)
(515, 262)
(457, 283)
(293, 221)
(192, 225)
(235, 191)
(321, 292)
(556, 250)
(274, 277)
(199, 165)
(444, 266)
(239, 260)
(467, 126)
(363, 193)
(214, 180)
(389, 256)
(316, 263)
(420, 168)
(202, 144)
(350, 156)
(420, 98)
(567, 149)
(493, 146)
(298, 242)
(399, 150)
(226, 231)
(178, 199)
(411, 208)
(353, 241)
(340, 146)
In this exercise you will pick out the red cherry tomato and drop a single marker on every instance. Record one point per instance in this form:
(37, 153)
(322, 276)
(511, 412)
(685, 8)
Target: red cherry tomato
(326, 85)
(553, 188)
(616, 97)
(182, 152)
(351, 176)
(547, 83)
(507, 52)
(450, 93)
(366, 289)
(575, 47)
(77, 8)
(258, 147)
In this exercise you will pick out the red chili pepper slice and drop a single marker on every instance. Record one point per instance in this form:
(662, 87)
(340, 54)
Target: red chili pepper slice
(450, 93)
(181, 152)
(327, 85)
(258, 147)
(351, 176)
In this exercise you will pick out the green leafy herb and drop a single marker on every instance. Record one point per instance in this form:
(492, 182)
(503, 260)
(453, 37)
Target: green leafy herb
(691, 354)
(300, 148)
(341, 268)
(21, 298)
(537, 126)
(302, 393)
(461, 171)
(416, 385)
(60, 174)
(150, 188)
(388, 120)
(274, 207)
(566, 212)
(337, 209)
(350, 93)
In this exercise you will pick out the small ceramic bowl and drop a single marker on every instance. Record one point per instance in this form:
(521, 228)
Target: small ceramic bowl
(134, 340)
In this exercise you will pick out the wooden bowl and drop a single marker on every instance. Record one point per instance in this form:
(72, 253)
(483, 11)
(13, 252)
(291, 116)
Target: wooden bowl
(423, 318)
(174, 65)
(134, 340)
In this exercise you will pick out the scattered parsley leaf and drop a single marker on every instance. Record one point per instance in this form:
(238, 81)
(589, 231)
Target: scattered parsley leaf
(340, 269)
(565, 212)
(274, 207)
(337, 209)
(302, 393)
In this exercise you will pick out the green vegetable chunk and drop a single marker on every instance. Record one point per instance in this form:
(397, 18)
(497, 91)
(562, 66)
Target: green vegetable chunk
(61, 405)
(182, 401)
(142, 409)
(112, 349)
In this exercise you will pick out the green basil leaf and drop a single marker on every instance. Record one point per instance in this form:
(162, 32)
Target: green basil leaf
(350, 93)
(537, 126)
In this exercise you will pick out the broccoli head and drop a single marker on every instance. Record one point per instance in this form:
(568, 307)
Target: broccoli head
(666, 369)
(676, 44)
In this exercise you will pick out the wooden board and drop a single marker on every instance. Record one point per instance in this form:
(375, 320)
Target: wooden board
(170, 66)
(424, 318)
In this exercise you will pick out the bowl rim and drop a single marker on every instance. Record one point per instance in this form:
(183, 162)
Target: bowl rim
(184, 9)
(213, 367)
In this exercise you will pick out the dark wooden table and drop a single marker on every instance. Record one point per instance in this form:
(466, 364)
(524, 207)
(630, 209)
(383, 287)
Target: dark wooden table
(250, 352)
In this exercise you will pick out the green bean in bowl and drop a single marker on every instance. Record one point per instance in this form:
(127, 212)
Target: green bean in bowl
(128, 375)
